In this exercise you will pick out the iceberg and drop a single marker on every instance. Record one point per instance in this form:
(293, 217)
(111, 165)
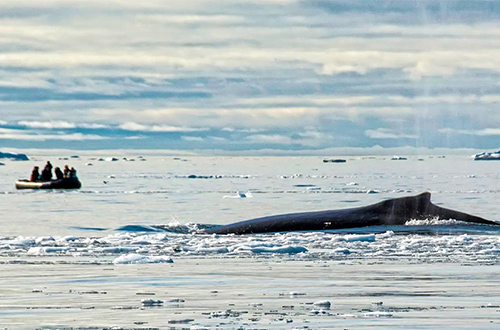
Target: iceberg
(487, 155)
(13, 156)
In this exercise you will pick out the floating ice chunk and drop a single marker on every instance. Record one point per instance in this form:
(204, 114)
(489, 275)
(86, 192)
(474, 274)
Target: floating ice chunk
(491, 251)
(141, 259)
(13, 156)
(207, 250)
(116, 249)
(323, 304)
(487, 156)
(22, 241)
(387, 234)
(240, 194)
(40, 250)
(44, 240)
(285, 249)
(378, 314)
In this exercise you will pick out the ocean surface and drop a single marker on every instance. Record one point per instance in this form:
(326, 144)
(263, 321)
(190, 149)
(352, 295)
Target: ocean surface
(127, 251)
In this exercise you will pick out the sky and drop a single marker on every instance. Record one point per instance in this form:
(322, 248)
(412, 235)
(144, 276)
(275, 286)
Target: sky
(274, 76)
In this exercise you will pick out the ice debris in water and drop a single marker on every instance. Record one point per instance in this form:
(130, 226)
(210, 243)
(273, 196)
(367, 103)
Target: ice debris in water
(160, 247)
(151, 302)
(325, 304)
(240, 194)
(141, 259)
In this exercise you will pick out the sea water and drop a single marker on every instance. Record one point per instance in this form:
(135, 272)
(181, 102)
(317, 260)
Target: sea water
(127, 250)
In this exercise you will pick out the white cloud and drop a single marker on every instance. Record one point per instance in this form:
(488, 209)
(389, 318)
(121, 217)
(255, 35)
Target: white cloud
(93, 126)
(131, 126)
(48, 125)
(192, 138)
(478, 132)
(272, 139)
(374, 67)
(384, 133)
(28, 135)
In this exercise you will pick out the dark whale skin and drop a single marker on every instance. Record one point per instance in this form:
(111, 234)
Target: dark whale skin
(395, 211)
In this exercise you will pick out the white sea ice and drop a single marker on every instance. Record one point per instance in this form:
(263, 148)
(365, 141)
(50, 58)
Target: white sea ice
(141, 259)
(325, 304)
(240, 194)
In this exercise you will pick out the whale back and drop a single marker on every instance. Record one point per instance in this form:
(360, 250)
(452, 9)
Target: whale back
(395, 211)
(399, 210)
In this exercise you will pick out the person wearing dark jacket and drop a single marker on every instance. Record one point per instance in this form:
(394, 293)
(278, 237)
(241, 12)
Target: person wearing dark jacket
(72, 173)
(59, 174)
(47, 172)
(35, 175)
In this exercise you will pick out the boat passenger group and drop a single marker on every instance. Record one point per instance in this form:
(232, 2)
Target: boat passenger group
(46, 174)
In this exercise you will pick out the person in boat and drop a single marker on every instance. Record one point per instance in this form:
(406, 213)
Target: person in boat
(35, 175)
(66, 171)
(47, 172)
(72, 173)
(59, 174)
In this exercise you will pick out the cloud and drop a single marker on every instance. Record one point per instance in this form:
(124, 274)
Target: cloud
(131, 126)
(27, 135)
(347, 73)
(479, 132)
(48, 125)
(192, 138)
(60, 125)
(384, 133)
(269, 139)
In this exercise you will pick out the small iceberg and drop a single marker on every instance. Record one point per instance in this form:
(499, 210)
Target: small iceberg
(13, 156)
(487, 155)
(240, 195)
(398, 158)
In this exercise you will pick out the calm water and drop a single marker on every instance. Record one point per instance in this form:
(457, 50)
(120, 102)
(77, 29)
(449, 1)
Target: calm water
(159, 190)
(85, 258)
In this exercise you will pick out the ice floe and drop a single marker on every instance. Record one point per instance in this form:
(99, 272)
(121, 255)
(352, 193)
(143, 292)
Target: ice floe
(141, 259)
(487, 156)
(139, 246)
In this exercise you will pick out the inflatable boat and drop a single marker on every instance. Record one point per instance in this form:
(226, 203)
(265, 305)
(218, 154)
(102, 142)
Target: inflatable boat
(66, 183)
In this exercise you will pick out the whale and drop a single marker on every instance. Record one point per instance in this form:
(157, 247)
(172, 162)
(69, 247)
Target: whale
(396, 211)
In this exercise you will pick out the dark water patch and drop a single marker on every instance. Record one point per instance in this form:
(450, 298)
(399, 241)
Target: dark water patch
(427, 229)
(350, 201)
(88, 228)
(304, 185)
